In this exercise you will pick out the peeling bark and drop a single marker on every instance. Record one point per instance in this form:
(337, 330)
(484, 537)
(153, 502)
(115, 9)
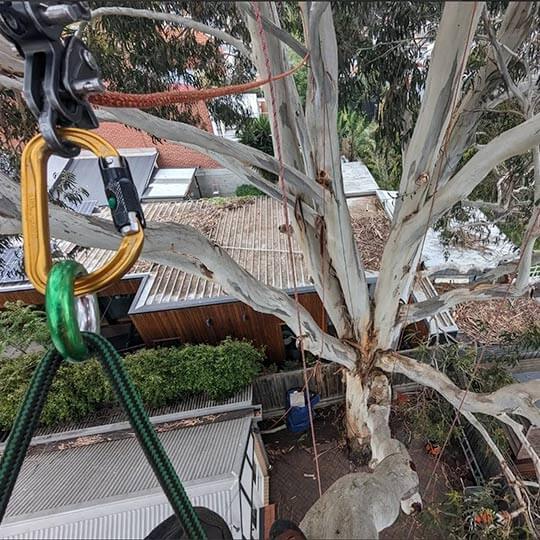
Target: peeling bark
(443, 86)
(321, 118)
(358, 505)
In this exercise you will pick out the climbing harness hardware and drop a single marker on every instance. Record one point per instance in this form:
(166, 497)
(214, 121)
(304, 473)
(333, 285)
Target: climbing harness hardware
(59, 73)
(123, 201)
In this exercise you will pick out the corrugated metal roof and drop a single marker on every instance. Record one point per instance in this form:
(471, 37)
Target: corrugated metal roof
(119, 520)
(357, 179)
(248, 231)
(11, 270)
(60, 480)
(86, 207)
(190, 407)
(169, 184)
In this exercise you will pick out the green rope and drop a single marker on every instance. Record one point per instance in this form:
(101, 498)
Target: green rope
(155, 454)
(71, 343)
(25, 424)
(30, 411)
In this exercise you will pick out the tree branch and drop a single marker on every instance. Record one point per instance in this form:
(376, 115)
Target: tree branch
(297, 150)
(238, 157)
(443, 87)
(176, 19)
(509, 475)
(511, 143)
(501, 62)
(321, 118)
(10, 61)
(275, 30)
(479, 292)
(490, 275)
(184, 247)
(532, 232)
(519, 398)
(516, 26)
(11, 83)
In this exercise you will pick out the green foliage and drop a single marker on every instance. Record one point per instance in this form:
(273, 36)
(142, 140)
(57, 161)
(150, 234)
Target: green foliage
(220, 371)
(141, 55)
(21, 325)
(247, 190)
(256, 132)
(512, 180)
(356, 134)
(527, 339)
(77, 390)
(379, 51)
(162, 376)
(432, 417)
(66, 191)
(472, 514)
(17, 126)
(358, 139)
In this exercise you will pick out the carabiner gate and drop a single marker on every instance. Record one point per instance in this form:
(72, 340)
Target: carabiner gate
(35, 218)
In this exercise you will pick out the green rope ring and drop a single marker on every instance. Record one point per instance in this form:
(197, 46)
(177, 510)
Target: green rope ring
(61, 312)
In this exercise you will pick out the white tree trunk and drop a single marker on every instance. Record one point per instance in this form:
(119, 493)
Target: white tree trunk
(356, 413)
(360, 505)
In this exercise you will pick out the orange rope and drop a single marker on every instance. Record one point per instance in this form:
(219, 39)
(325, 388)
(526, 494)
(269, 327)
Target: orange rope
(170, 97)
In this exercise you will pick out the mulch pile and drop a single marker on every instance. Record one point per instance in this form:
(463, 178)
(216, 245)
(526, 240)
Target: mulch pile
(371, 229)
(488, 322)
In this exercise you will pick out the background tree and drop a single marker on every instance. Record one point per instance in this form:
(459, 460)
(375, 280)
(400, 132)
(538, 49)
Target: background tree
(435, 177)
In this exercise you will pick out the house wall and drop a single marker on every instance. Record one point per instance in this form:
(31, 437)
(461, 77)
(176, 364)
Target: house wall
(213, 323)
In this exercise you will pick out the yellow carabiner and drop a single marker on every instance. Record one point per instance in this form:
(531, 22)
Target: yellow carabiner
(35, 217)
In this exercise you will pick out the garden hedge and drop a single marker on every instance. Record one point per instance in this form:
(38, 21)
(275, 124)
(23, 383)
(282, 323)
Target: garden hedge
(162, 376)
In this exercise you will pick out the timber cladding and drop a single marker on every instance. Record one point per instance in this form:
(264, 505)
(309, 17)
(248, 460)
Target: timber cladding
(214, 322)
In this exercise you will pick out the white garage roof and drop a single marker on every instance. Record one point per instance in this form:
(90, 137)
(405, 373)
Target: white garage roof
(169, 184)
(357, 180)
(86, 170)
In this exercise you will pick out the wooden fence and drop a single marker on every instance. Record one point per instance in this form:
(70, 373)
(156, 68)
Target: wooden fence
(270, 391)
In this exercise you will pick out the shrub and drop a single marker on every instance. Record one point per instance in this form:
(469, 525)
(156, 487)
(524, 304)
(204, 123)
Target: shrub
(77, 390)
(221, 371)
(247, 190)
(162, 376)
(21, 325)
(256, 132)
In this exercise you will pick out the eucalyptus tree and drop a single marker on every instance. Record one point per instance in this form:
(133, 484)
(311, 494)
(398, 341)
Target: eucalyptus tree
(436, 176)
